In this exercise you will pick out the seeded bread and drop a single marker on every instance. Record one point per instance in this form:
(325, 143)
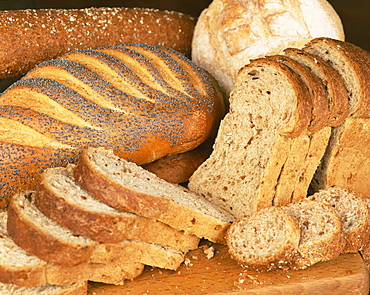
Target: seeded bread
(126, 186)
(120, 97)
(321, 233)
(269, 106)
(266, 240)
(352, 63)
(353, 213)
(62, 200)
(79, 288)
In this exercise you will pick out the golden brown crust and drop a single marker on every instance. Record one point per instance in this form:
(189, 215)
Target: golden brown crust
(336, 90)
(127, 105)
(39, 242)
(27, 277)
(32, 36)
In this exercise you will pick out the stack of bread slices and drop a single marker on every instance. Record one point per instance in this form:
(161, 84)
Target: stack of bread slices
(101, 220)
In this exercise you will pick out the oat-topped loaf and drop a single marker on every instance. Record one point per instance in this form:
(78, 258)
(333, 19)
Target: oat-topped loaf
(144, 102)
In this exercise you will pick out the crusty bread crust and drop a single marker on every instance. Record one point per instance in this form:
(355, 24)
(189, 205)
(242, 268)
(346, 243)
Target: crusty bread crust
(144, 102)
(33, 36)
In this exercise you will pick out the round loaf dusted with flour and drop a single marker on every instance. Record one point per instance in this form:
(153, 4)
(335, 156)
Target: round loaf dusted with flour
(144, 102)
(231, 32)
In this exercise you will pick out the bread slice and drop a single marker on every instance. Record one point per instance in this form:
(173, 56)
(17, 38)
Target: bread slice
(336, 91)
(268, 239)
(79, 288)
(269, 106)
(59, 193)
(352, 63)
(42, 237)
(353, 213)
(126, 186)
(321, 232)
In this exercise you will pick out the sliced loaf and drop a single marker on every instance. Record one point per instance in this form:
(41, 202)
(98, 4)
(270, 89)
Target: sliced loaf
(266, 240)
(321, 232)
(46, 289)
(353, 64)
(42, 237)
(269, 106)
(61, 199)
(336, 91)
(353, 213)
(126, 186)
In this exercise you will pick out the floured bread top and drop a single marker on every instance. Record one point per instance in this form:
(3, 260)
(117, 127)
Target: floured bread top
(231, 32)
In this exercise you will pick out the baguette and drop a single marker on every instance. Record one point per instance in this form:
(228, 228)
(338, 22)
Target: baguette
(144, 102)
(30, 37)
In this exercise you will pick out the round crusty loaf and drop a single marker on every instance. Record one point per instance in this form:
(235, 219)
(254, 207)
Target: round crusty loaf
(230, 33)
(29, 37)
(144, 102)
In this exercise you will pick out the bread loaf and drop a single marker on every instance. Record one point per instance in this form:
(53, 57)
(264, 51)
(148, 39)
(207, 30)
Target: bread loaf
(144, 102)
(62, 200)
(269, 108)
(29, 37)
(126, 186)
(228, 34)
(47, 289)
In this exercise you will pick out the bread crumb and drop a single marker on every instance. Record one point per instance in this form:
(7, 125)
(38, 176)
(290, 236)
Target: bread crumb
(210, 252)
(187, 262)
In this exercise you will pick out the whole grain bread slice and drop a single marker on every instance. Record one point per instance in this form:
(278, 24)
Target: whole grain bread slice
(42, 237)
(269, 107)
(58, 193)
(321, 233)
(79, 288)
(268, 239)
(127, 186)
(353, 213)
(353, 64)
(336, 91)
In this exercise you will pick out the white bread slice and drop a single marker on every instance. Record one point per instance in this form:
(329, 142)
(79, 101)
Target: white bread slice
(353, 64)
(127, 186)
(321, 233)
(79, 288)
(269, 106)
(266, 240)
(58, 193)
(353, 213)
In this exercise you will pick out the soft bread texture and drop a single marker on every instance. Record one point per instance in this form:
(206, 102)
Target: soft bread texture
(126, 186)
(122, 97)
(269, 108)
(353, 213)
(46, 239)
(62, 200)
(353, 64)
(30, 37)
(321, 233)
(228, 34)
(79, 288)
(19, 268)
(266, 240)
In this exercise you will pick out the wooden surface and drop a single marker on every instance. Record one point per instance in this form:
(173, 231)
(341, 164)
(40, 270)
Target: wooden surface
(221, 275)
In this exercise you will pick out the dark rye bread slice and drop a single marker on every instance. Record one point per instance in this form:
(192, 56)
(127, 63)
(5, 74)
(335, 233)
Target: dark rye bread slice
(269, 107)
(321, 233)
(42, 237)
(268, 239)
(79, 288)
(353, 213)
(353, 64)
(127, 186)
(61, 199)
(336, 91)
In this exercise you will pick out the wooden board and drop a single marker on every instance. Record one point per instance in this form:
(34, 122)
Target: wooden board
(220, 274)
